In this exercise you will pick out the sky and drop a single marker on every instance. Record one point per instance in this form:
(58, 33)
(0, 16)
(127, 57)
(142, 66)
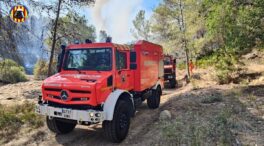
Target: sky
(116, 16)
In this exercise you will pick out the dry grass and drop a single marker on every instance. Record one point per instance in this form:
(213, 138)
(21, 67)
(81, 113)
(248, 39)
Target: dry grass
(13, 118)
(223, 120)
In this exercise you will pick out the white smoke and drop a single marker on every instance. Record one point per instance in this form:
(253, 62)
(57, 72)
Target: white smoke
(97, 15)
(115, 17)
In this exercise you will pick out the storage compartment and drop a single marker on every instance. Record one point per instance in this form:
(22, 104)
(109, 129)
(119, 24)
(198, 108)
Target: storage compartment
(149, 58)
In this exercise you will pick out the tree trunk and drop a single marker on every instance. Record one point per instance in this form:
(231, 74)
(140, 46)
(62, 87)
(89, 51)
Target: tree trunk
(187, 63)
(183, 29)
(54, 38)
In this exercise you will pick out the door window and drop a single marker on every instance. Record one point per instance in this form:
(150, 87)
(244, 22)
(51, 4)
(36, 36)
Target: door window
(121, 60)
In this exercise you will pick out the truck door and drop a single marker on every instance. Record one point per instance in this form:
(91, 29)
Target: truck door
(123, 74)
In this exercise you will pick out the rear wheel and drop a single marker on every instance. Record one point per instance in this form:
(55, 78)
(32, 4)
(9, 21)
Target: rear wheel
(117, 129)
(154, 100)
(60, 127)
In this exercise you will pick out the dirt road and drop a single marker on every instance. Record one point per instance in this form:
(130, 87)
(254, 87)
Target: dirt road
(93, 135)
(145, 126)
(248, 108)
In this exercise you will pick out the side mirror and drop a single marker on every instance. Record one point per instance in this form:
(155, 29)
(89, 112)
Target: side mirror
(60, 58)
(59, 63)
(174, 61)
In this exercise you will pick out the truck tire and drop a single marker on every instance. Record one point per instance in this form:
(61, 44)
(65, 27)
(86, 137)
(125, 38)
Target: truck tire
(59, 127)
(173, 83)
(154, 100)
(117, 129)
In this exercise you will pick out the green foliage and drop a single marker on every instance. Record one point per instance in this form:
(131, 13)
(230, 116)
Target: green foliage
(11, 72)
(72, 27)
(171, 28)
(142, 28)
(235, 28)
(217, 32)
(8, 43)
(225, 67)
(206, 61)
(41, 69)
(14, 117)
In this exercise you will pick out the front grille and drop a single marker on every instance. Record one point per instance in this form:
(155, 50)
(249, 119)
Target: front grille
(80, 99)
(52, 89)
(73, 91)
(76, 107)
(57, 97)
(73, 99)
(167, 70)
(80, 91)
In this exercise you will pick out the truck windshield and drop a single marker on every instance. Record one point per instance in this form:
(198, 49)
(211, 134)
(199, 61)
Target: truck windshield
(98, 59)
(167, 61)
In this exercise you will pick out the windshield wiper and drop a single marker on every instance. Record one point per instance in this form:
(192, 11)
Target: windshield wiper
(79, 71)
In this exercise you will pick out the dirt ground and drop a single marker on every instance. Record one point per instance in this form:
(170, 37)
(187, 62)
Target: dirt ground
(245, 101)
(20, 92)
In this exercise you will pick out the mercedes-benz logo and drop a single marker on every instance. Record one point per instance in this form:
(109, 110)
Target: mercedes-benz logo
(64, 95)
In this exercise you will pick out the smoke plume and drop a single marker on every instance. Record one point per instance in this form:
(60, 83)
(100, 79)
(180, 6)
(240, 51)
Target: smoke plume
(97, 14)
(115, 17)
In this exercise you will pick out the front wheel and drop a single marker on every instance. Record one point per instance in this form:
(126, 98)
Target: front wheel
(117, 129)
(60, 127)
(154, 100)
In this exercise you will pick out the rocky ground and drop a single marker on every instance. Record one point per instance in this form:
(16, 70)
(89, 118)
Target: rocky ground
(199, 113)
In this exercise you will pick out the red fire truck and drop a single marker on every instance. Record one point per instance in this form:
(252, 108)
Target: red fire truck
(170, 70)
(102, 82)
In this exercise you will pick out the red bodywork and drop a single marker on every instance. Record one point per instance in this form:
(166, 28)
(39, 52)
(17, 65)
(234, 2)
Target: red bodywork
(169, 67)
(91, 87)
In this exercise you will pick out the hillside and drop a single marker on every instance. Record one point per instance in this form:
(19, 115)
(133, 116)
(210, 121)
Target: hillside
(203, 113)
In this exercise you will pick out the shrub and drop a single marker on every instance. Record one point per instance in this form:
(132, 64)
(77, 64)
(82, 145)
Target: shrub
(41, 69)
(225, 67)
(206, 61)
(14, 117)
(11, 72)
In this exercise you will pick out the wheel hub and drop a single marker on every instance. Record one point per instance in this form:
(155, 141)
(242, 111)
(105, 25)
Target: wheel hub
(123, 122)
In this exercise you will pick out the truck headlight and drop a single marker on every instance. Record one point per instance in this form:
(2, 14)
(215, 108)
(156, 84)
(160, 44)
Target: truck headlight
(91, 114)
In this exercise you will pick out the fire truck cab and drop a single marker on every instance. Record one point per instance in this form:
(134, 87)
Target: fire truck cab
(102, 82)
(170, 70)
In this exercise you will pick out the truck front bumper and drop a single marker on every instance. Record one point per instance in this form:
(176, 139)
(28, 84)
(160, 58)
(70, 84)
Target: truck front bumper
(168, 77)
(92, 116)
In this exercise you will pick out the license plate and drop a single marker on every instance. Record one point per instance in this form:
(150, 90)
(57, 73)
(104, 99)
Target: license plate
(66, 113)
